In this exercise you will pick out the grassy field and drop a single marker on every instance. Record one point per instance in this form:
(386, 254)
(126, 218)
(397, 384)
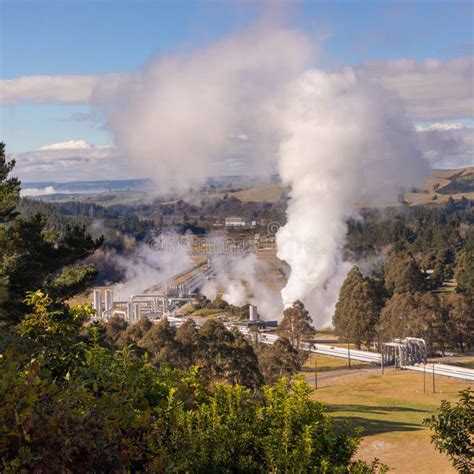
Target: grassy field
(268, 193)
(329, 364)
(390, 408)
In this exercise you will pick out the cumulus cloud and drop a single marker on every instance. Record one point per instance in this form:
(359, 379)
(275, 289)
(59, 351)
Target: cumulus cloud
(447, 145)
(31, 192)
(71, 160)
(44, 89)
(69, 145)
(432, 89)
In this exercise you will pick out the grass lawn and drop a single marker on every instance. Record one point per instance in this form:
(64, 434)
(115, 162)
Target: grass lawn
(327, 364)
(390, 408)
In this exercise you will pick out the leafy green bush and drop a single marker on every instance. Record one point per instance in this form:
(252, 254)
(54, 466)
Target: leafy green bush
(75, 405)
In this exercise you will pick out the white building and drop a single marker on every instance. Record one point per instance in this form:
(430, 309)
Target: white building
(234, 222)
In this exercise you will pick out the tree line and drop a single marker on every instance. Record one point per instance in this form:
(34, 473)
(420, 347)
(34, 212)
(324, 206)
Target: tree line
(403, 301)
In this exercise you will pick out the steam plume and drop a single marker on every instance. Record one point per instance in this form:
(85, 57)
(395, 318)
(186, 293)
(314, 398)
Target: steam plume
(335, 138)
(347, 140)
(188, 114)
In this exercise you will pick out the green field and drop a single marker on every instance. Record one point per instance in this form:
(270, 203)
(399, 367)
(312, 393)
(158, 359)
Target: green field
(390, 409)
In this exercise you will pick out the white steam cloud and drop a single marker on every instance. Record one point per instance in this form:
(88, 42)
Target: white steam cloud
(347, 140)
(154, 264)
(239, 278)
(336, 138)
(179, 119)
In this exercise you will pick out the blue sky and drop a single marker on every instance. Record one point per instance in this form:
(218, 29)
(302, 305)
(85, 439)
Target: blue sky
(70, 37)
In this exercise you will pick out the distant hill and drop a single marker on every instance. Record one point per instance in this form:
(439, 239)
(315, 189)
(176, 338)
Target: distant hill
(444, 184)
(438, 188)
(82, 187)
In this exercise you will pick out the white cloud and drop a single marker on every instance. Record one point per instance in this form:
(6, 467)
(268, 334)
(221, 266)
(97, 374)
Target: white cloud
(447, 145)
(65, 89)
(69, 145)
(43, 89)
(431, 90)
(71, 160)
(443, 126)
(25, 192)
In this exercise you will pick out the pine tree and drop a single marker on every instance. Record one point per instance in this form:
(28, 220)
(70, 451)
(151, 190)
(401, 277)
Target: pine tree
(9, 188)
(33, 256)
(460, 309)
(358, 308)
(415, 315)
(464, 272)
(404, 275)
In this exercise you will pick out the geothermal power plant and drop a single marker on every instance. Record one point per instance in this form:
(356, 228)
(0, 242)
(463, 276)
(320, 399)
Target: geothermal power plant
(406, 353)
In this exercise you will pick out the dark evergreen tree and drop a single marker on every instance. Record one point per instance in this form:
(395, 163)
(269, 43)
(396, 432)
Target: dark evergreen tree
(358, 308)
(460, 308)
(464, 272)
(404, 275)
(415, 315)
(33, 256)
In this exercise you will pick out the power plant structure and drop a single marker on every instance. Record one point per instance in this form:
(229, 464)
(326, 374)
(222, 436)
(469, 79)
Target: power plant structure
(155, 302)
(404, 352)
(151, 305)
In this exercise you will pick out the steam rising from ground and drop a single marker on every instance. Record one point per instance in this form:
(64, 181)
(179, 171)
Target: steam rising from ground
(346, 140)
(151, 265)
(335, 139)
(239, 280)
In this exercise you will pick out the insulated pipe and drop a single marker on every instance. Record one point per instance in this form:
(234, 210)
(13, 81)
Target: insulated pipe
(109, 299)
(97, 303)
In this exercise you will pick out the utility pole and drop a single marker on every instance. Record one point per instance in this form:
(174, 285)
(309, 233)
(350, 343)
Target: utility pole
(424, 377)
(434, 387)
(349, 354)
(315, 372)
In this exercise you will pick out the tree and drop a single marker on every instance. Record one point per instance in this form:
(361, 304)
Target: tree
(358, 308)
(404, 275)
(9, 188)
(160, 342)
(133, 334)
(464, 272)
(453, 428)
(279, 360)
(460, 308)
(9, 197)
(114, 329)
(33, 256)
(187, 338)
(226, 355)
(53, 335)
(414, 315)
(296, 324)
